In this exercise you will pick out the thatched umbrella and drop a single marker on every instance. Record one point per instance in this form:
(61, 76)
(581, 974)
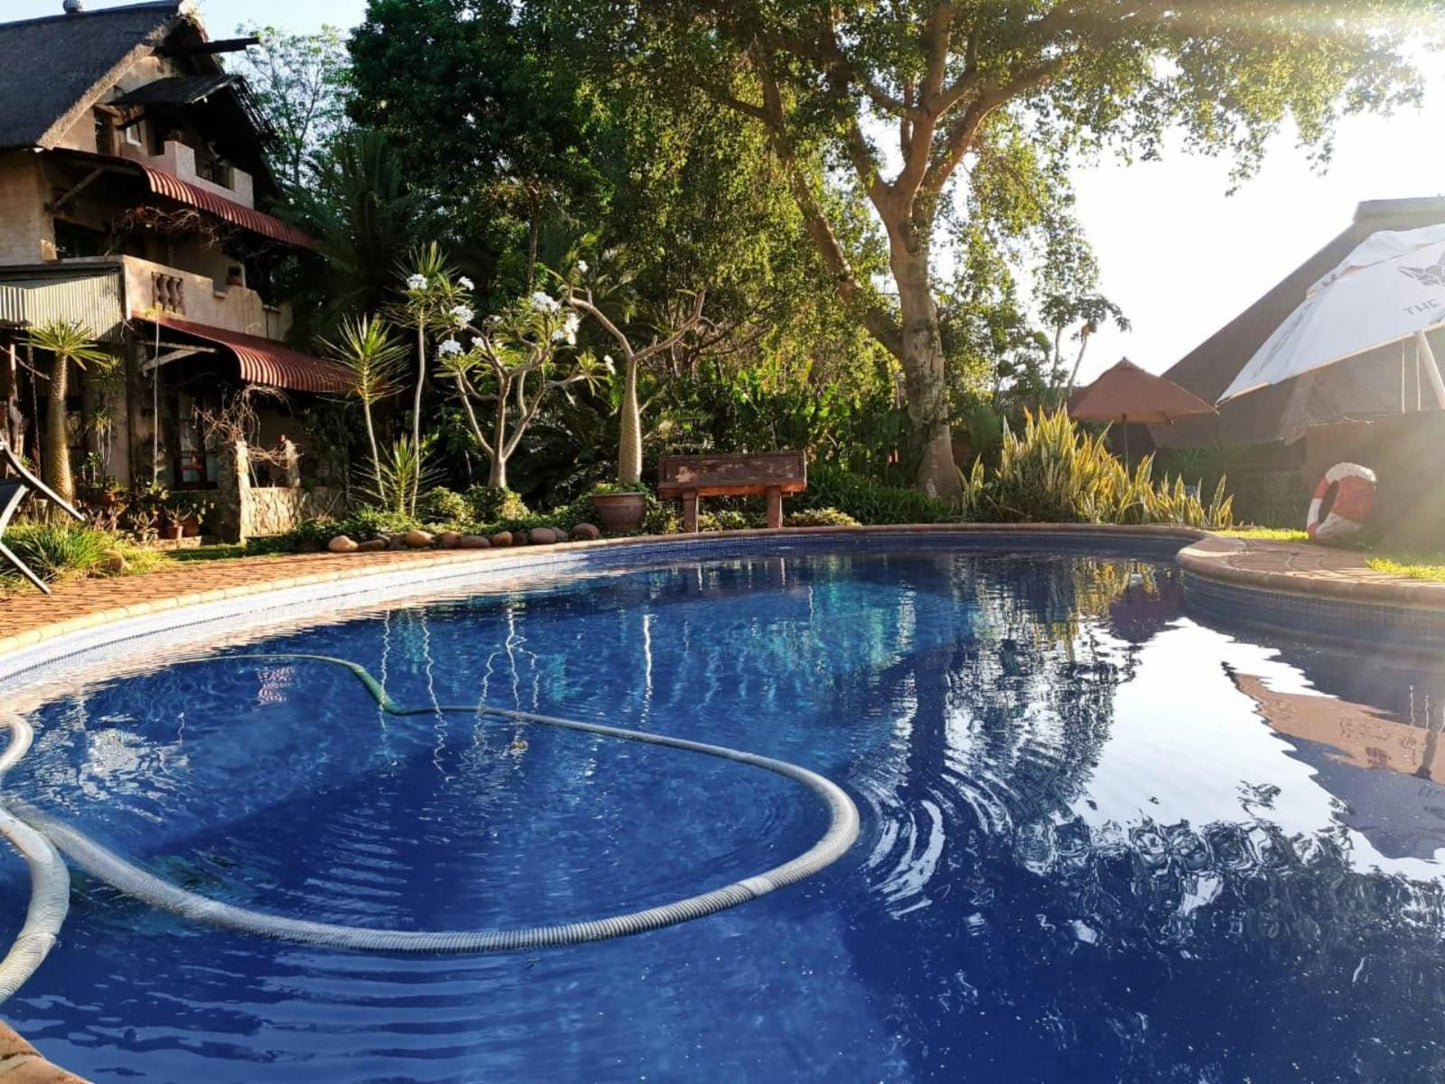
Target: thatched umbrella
(1126, 393)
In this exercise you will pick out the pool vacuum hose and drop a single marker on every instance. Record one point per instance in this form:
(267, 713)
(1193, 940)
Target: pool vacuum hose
(37, 835)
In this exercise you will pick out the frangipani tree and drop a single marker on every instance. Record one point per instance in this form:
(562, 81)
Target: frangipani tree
(434, 296)
(514, 362)
(687, 324)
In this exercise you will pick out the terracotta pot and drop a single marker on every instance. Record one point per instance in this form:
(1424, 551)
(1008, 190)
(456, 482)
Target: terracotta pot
(620, 513)
(173, 532)
(191, 527)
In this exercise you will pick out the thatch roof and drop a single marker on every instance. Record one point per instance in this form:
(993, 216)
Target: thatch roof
(51, 66)
(1365, 385)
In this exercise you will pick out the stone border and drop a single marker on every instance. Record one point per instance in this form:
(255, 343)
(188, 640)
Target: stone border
(21, 1063)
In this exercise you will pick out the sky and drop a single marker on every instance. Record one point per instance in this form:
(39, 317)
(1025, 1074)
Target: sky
(1177, 253)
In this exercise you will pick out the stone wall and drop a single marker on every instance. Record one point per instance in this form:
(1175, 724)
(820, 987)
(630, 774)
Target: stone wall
(275, 510)
(244, 511)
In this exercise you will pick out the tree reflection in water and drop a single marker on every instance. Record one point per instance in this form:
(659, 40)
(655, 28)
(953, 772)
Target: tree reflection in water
(1046, 944)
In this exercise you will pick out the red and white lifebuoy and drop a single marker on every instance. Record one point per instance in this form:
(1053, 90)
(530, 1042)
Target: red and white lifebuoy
(1345, 498)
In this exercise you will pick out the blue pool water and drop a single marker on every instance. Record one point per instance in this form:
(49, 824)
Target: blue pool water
(1100, 841)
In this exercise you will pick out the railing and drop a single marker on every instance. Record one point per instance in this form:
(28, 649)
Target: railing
(202, 299)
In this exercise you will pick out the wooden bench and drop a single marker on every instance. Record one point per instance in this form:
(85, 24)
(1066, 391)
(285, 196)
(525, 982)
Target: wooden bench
(775, 475)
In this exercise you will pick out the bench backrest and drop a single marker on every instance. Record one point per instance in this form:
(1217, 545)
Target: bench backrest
(787, 471)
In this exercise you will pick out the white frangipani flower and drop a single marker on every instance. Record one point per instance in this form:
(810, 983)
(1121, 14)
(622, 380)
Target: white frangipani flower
(610, 365)
(449, 348)
(416, 282)
(545, 302)
(582, 266)
(466, 283)
(462, 314)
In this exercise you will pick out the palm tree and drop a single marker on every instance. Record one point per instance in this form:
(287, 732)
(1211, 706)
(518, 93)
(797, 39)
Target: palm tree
(66, 341)
(366, 347)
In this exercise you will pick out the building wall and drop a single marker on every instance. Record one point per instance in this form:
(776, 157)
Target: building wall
(26, 235)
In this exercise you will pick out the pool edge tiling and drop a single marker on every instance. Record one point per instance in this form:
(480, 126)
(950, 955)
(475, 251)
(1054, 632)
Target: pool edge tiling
(1312, 589)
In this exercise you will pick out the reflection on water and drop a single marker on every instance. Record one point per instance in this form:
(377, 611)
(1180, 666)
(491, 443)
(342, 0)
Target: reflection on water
(1101, 842)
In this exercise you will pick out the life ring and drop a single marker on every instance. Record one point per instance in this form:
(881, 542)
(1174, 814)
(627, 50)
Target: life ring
(1342, 503)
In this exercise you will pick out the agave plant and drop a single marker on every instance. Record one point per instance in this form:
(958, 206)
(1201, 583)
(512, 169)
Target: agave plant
(66, 341)
(1056, 472)
(401, 474)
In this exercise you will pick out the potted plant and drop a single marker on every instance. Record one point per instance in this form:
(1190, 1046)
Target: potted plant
(189, 511)
(620, 506)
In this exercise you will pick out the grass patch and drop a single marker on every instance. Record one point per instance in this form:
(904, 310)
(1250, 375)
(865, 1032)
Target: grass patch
(57, 553)
(1430, 569)
(1266, 534)
(223, 552)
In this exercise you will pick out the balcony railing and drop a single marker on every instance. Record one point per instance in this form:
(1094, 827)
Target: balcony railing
(202, 300)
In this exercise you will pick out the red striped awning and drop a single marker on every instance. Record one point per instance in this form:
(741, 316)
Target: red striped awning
(267, 362)
(172, 187)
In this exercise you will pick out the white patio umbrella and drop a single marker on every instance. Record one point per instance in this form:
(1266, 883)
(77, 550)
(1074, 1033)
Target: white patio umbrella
(1390, 289)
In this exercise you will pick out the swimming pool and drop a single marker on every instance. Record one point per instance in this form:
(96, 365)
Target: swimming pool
(1099, 840)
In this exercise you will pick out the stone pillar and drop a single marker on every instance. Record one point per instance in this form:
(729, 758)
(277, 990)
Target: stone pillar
(233, 492)
(289, 466)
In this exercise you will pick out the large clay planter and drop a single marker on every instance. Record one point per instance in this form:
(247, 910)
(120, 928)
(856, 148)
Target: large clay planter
(620, 513)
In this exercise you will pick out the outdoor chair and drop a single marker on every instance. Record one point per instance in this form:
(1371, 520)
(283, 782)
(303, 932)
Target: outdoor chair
(12, 492)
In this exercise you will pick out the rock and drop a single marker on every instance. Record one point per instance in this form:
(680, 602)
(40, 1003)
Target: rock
(449, 540)
(376, 545)
(585, 532)
(113, 562)
(396, 542)
(501, 540)
(342, 544)
(543, 536)
(475, 542)
(417, 540)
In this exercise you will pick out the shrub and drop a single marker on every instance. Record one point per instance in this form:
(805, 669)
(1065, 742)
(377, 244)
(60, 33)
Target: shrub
(821, 517)
(57, 552)
(865, 500)
(1056, 472)
(489, 505)
(724, 519)
(72, 551)
(441, 505)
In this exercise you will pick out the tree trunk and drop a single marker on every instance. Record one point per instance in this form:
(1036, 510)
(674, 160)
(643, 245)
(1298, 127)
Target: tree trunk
(497, 477)
(629, 454)
(925, 375)
(57, 443)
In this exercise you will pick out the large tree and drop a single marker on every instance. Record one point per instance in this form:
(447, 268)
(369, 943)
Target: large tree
(903, 94)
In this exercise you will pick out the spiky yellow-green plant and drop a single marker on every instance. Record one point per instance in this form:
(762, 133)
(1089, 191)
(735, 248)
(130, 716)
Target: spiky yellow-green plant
(1056, 472)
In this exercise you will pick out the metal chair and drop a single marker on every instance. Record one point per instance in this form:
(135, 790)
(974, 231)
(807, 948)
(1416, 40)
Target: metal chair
(12, 492)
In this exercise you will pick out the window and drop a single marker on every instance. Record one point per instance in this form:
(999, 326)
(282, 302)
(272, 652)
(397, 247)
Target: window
(212, 167)
(73, 241)
(135, 134)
